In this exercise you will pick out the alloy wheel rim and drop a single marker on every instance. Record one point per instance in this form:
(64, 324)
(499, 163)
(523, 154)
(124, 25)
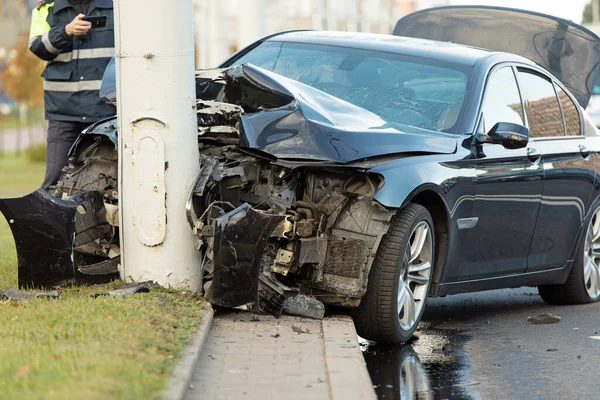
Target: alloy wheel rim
(415, 275)
(591, 258)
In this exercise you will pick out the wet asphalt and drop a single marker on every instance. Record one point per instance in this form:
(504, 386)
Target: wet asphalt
(481, 346)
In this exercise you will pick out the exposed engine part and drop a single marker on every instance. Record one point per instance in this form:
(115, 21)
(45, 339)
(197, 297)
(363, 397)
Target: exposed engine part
(112, 214)
(93, 168)
(283, 262)
(268, 234)
(212, 113)
(324, 243)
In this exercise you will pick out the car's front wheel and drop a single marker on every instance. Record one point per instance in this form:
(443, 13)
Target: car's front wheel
(399, 279)
(583, 284)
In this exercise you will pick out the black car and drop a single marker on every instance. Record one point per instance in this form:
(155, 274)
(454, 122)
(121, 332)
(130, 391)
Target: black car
(369, 172)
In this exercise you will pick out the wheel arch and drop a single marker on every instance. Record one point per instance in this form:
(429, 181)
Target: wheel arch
(430, 196)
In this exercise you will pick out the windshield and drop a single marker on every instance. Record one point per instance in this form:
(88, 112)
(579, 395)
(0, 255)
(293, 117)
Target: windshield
(400, 89)
(596, 88)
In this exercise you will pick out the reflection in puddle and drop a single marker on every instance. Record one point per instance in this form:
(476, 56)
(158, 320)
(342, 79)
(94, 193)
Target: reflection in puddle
(434, 366)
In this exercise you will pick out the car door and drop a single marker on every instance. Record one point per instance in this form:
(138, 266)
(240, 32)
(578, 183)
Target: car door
(509, 185)
(555, 127)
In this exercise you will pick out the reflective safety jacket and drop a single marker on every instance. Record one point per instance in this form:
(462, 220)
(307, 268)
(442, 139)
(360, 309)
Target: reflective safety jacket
(76, 64)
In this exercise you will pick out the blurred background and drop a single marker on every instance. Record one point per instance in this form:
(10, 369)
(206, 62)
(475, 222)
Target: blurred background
(222, 28)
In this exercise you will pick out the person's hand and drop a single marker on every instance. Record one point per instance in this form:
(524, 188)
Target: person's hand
(78, 27)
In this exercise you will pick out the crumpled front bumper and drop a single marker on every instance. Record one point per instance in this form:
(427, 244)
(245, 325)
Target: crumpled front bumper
(240, 237)
(47, 229)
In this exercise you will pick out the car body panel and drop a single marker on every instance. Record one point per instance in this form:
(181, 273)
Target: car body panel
(287, 131)
(569, 51)
(565, 201)
(318, 126)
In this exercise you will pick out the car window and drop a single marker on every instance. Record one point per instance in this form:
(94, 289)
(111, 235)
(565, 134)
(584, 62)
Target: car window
(400, 89)
(541, 105)
(570, 113)
(264, 56)
(502, 102)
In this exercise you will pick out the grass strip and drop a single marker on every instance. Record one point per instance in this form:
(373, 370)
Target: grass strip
(79, 346)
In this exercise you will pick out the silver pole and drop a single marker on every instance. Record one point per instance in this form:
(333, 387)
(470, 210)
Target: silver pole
(158, 156)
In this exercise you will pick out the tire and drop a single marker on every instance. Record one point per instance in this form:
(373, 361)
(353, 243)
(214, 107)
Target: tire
(583, 284)
(380, 317)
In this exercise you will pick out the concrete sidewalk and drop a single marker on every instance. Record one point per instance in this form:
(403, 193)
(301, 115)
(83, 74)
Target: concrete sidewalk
(249, 356)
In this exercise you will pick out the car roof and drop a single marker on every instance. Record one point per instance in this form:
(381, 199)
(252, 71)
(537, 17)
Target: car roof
(443, 51)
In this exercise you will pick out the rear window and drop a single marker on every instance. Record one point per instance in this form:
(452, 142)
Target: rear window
(401, 89)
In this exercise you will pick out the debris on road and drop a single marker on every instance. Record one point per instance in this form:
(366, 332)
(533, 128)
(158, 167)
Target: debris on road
(299, 330)
(128, 288)
(16, 294)
(304, 306)
(544, 319)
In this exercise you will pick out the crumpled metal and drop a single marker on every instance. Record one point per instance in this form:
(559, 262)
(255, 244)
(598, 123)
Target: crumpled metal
(16, 294)
(123, 289)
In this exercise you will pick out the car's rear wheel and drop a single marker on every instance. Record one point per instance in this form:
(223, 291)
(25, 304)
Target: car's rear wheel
(399, 279)
(583, 284)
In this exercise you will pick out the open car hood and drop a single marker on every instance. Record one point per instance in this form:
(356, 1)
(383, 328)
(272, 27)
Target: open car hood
(568, 50)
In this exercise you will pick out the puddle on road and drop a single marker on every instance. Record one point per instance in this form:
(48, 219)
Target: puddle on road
(433, 366)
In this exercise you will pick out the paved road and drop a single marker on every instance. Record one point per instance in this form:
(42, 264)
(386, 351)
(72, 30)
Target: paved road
(481, 346)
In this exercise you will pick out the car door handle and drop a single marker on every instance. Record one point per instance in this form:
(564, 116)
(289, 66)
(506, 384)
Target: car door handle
(534, 155)
(584, 151)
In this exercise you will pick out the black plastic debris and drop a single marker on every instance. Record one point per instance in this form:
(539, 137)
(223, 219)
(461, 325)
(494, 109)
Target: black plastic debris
(16, 294)
(124, 289)
(108, 267)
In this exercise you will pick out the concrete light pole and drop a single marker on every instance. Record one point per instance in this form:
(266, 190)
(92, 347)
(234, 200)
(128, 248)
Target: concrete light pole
(158, 149)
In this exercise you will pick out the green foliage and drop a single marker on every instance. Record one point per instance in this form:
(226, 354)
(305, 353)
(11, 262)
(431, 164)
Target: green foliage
(36, 153)
(587, 16)
(21, 78)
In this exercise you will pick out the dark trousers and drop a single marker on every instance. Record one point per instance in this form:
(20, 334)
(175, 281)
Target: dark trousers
(61, 136)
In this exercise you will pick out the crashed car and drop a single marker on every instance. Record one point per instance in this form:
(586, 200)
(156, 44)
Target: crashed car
(367, 171)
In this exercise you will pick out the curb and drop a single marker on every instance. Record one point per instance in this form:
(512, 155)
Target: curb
(346, 366)
(178, 384)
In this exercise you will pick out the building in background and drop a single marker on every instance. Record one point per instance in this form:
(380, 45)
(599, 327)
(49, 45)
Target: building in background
(225, 26)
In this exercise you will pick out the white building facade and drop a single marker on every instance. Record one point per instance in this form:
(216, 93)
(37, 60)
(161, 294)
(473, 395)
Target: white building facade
(225, 26)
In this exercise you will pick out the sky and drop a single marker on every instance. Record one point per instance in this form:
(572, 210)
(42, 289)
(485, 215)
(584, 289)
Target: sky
(568, 9)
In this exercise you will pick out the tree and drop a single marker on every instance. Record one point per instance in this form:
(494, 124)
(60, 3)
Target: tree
(587, 17)
(21, 81)
(21, 77)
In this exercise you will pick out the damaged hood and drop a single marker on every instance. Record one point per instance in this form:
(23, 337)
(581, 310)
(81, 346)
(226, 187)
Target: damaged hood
(293, 121)
(569, 51)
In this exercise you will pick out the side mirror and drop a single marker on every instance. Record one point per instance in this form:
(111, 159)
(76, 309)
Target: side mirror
(509, 135)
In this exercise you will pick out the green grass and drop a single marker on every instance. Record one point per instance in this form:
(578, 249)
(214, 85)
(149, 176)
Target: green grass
(79, 347)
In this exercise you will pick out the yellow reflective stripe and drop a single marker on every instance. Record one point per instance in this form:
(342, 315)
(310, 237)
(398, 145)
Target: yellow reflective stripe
(48, 44)
(83, 54)
(39, 23)
(56, 86)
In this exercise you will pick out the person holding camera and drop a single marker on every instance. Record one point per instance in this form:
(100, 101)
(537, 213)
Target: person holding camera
(76, 38)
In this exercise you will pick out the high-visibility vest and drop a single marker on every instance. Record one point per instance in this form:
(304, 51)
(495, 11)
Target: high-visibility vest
(76, 64)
